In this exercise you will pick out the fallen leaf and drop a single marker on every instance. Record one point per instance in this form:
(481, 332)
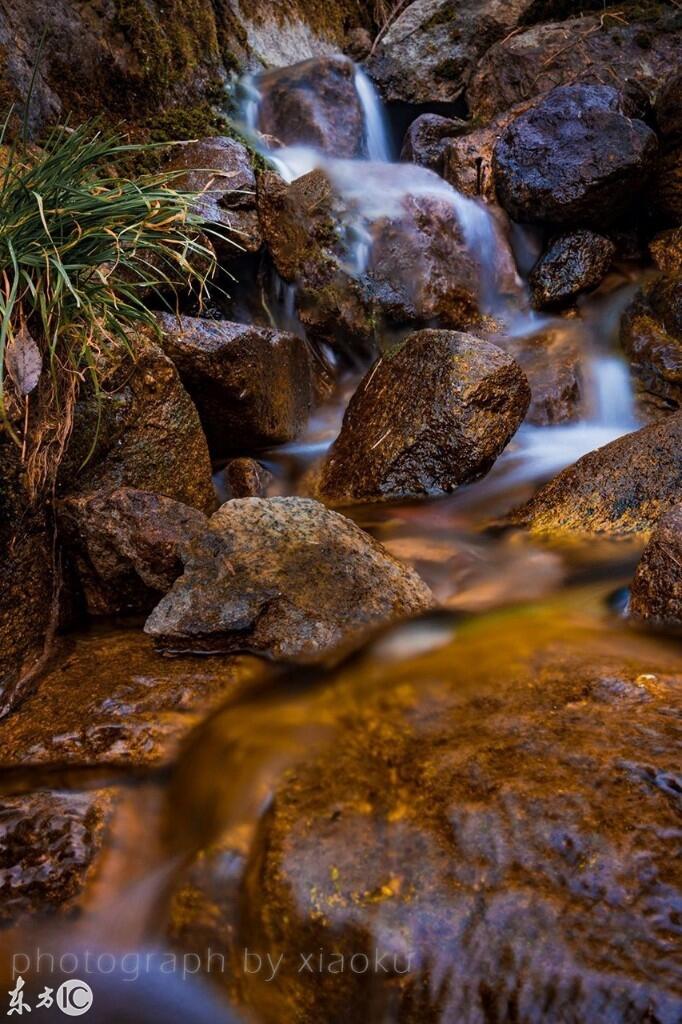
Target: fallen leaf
(23, 362)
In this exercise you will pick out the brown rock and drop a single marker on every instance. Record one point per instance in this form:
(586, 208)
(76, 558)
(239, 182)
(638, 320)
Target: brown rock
(666, 187)
(668, 108)
(426, 140)
(552, 365)
(606, 158)
(430, 416)
(573, 263)
(246, 478)
(621, 489)
(651, 335)
(126, 546)
(285, 577)
(593, 49)
(252, 386)
(666, 251)
(314, 103)
(656, 592)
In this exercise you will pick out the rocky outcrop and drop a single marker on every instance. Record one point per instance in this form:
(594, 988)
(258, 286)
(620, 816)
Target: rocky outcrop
(253, 387)
(430, 416)
(285, 577)
(651, 335)
(314, 103)
(573, 263)
(141, 431)
(426, 140)
(550, 360)
(594, 49)
(621, 489)
(607, 157)
(656, 592)
(220, 169)
(126, 546)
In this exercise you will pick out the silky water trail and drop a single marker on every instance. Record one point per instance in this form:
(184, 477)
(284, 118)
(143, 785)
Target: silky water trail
(506, 601)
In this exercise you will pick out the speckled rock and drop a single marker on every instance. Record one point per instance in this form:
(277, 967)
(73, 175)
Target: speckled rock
(666, 251)
(252, 386)
(651, 335)
(607, 157)
(314, 103)
(552, 365)
(573, 263)
(285, 577)
(430, 416)
(246, 478)
(656, 592)
(126, 546)
(592, 49)
(621, 489)
(426, 140)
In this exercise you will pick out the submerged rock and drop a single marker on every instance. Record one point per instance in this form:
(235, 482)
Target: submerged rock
(126, 546)
(252, 386)
(656, 592)
(621, 489)
(427, 138)
(573, 263)
(285, 577)
(593, 49)
(651, 335)
(552, 365)
(430, 416)
(314, 103)
(606, 158)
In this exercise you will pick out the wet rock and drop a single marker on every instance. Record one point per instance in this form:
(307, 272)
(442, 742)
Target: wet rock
(314, 103)
(112, 701)
(427, 139)
(666, 187)
(50, 842)
(668, 108)
(606, 158)
(573, 263)
(621, 489)
(285, 577)
(430, 416)
(126, 546)
(220, 168)
(651, 335)
(143, 432)
(246, 478)
(592, 49)
(431, 49)
(252, 386)
(473, 841)
(666, 251)
(656, 592)
(552, 365)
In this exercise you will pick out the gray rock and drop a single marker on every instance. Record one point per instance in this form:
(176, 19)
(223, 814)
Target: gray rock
(573, 263)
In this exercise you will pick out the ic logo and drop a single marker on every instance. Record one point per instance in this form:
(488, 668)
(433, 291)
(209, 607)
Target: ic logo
(74, 997)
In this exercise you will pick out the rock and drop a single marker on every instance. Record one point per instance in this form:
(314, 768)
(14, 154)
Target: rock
(431, 49)
(246, 478)
(430, 416)
(358, 44)
(426, 140)
(473, 840)
(621, 489)
(112, 702)
(285, 577)
(552, 365)
(606, 158)
(594, 49)
(126, 546)
(668, 108)
(651, 335)
(666, 187)
(253, 387)
(656, 592)
(142, 432)
(220, 168)
(50, 846)
(666, 251)
(314, 103)
(573, 263)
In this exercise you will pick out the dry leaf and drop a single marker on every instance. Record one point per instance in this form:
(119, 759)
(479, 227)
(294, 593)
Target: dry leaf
(23, 362)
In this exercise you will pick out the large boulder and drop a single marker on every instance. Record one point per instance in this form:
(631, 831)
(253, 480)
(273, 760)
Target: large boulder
(428, 417)
(656, 592)
(477, 826)
(651, 335)
(314, 103)
(253, 386)
(622, 489)
(429, 52)
(142, 430)
(285, 577)
(574, 158)
(573, 262)
(126, 546)
(595, 49)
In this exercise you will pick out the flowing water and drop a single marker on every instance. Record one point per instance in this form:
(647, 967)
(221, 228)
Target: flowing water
(520, 601)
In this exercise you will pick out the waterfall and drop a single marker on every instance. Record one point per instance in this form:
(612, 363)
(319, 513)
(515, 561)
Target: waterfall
(377, 141)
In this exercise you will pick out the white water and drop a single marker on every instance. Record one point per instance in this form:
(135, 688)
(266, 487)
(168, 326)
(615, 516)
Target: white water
(377, 143)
